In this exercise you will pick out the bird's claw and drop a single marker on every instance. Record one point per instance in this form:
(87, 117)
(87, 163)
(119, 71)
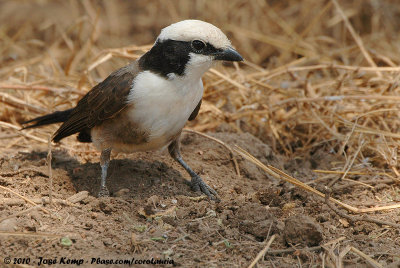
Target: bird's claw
(198, 185)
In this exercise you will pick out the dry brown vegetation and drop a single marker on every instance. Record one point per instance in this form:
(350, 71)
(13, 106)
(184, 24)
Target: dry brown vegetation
(318, 76)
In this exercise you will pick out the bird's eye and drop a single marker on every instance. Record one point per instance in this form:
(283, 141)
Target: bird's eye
(198, 45)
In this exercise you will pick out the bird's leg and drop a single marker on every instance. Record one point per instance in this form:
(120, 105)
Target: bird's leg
(104, 162)
(197, 182)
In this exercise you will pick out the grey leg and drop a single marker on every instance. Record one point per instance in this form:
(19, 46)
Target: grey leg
(197, 182)
(104, 163)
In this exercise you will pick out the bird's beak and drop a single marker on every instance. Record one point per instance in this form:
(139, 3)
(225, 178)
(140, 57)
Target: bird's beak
(228, 54)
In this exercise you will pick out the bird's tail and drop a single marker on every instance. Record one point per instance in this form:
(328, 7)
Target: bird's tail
(56, 117)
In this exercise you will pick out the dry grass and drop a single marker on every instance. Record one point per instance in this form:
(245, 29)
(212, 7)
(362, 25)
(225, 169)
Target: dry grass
(318, 73)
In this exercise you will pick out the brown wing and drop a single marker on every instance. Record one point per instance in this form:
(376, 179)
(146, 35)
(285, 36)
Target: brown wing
(102, 102)
(195, 112)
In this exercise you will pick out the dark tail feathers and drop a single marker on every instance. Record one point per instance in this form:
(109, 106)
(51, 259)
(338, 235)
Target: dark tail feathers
(56, 117)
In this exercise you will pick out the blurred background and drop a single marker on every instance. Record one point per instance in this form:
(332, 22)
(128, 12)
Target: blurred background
(266, 32)
(318, 74)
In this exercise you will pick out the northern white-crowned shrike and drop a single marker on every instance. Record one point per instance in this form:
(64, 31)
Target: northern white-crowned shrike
(144, 105)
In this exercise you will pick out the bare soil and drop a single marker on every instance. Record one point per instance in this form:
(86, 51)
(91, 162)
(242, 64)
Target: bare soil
(152, 212)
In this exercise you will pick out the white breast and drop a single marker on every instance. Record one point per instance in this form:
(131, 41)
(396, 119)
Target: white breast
(163, 106)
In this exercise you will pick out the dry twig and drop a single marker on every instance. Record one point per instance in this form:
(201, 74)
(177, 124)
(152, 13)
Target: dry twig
(353, 218)
(278, 174)
(262, 252)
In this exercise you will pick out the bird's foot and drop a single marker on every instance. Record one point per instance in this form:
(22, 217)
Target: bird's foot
(198, 185)
(104, 192)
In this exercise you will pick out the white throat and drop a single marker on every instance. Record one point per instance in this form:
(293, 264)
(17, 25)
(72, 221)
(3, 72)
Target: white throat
(197, 66)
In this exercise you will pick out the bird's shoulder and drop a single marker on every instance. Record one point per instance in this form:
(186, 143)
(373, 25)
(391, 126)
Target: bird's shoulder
(109, 97)
(102, 102)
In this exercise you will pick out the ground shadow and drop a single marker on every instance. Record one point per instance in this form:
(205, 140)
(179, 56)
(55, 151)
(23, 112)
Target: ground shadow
(141, 178)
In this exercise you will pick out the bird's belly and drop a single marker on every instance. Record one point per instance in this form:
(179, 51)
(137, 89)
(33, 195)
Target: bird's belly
(122, 134)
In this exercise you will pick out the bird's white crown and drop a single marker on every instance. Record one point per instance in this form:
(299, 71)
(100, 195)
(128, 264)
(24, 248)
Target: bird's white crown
(189, 30)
